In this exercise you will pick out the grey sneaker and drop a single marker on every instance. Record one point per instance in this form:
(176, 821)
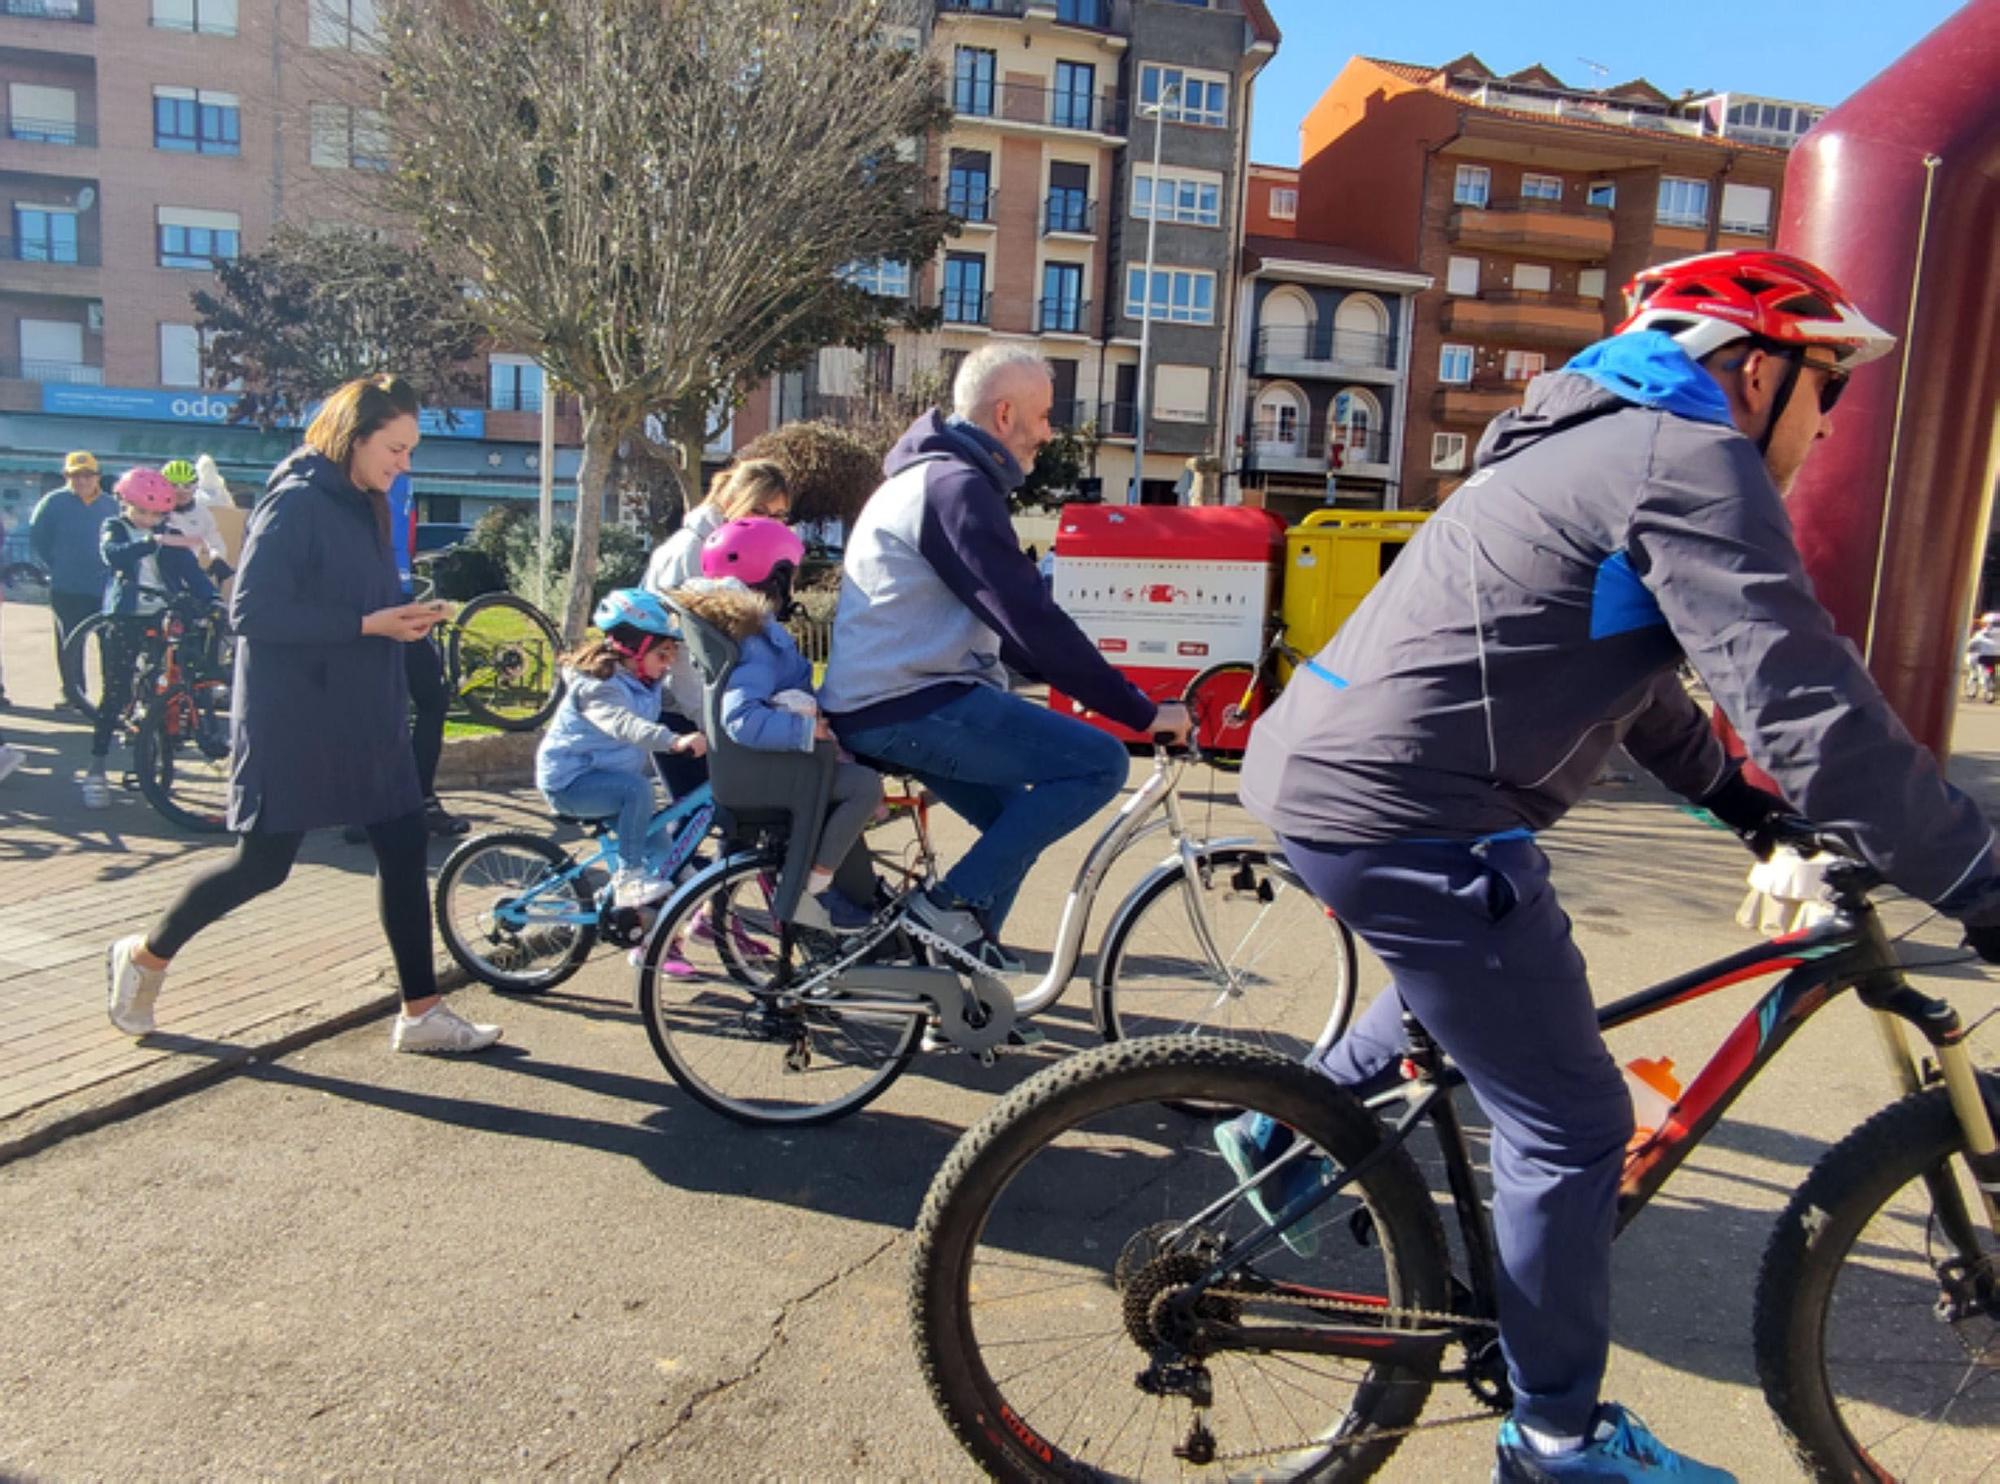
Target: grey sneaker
(96, 790)
(958, 926)
(441, 1030)
(132, 989)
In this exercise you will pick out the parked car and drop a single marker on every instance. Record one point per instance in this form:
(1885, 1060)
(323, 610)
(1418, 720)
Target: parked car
(435, 535)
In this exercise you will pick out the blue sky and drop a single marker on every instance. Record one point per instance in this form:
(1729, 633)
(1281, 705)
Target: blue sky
(1817, 53)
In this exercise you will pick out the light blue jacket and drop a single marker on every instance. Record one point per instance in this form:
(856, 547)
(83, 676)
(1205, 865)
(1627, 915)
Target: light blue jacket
(602, 726)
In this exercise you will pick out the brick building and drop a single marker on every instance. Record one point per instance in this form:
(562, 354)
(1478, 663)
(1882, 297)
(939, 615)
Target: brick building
(1528, 203)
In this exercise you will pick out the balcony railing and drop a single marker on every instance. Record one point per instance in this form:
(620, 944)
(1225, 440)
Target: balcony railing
(514, 399)
(984, 7)
(1064, 212)
(51, 10)
(64, 373)
(1552, 205)
(1069, 412)
(1095, 14)
(1269, 448)
(41, 250)
(1118, 419)
(961, 308)
(973, 206)
(1324, 343)
(1062, 316)
(49, 131)
(1102, 112)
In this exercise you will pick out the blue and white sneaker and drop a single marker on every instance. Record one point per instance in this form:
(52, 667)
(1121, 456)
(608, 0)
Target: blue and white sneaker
(1618, 1447)
(1251, 1143)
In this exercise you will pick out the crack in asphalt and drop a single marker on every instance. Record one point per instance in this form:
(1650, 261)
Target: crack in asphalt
(725, 1384)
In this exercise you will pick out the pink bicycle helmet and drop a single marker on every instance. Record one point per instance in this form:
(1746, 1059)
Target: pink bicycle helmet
(146, 489)
(751, 549)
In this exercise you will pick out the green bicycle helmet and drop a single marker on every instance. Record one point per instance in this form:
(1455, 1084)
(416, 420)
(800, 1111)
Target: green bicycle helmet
(178, 471)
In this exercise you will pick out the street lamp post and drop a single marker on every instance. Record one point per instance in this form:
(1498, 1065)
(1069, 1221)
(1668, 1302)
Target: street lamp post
(1142, 400)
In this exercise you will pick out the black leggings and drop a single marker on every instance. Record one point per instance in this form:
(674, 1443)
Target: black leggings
(122, 640)
(424, 669)
(262, 861)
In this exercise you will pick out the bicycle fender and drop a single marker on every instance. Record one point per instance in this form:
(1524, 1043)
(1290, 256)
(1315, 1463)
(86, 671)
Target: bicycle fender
(1171, 866)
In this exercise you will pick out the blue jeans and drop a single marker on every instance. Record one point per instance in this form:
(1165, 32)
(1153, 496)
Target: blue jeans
(1018, 772)
(1479, 949)
(605, 794)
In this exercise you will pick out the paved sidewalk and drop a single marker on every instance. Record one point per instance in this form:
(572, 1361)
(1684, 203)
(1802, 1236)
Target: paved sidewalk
(298, 963)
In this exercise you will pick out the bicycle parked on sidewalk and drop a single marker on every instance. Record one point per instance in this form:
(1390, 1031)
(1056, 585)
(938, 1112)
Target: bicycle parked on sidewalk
(501, 660)
(1093, 1295)
(520, 913)
(1233, 695)
(1220, 938)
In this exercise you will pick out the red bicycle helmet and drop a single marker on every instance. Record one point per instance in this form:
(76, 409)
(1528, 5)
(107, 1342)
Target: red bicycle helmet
(146, 489)
(1706, 302)
(750, 550)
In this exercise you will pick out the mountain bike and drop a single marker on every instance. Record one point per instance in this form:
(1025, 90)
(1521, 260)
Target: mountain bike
(1220, 938)
(501, 660)
(1093, 1296)
(520, 913)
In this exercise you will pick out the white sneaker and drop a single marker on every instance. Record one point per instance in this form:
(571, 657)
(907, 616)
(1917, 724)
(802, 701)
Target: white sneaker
(632, 889)
(96, 791)
(441, 1029)
(11, 757)
(132, 989)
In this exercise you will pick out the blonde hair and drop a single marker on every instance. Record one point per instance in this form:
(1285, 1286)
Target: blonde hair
(742, 489)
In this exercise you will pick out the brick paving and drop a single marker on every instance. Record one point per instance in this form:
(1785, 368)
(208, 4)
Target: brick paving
(294, 963)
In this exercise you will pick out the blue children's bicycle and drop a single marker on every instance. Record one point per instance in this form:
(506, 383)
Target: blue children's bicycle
(520, 913)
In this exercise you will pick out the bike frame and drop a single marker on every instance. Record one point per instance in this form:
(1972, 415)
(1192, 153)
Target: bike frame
(688, 818)
(1848, 951)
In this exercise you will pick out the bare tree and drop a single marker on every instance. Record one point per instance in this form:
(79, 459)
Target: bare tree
(651, 194)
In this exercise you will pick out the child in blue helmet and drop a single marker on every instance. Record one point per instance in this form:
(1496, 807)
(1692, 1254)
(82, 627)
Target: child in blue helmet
(595, 760)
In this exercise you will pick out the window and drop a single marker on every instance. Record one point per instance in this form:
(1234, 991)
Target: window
(1534, 277)
(347, 24)
(1602, 194)
(192, 122)
(1284, 203)
(1462, 276)
(972, 82)
(1448, 451)
(1068, 206)
(1471, 185)
(1081, 12)
(1276, 421)
(514, 384)
(1202, 97)
(1180, 295)
(210, 17)
(180, 355)
(1683, 202)
(1541, 188)
(44, 234)
(1455, 364)
(349, 138)
(1746, 208)
(1180, 394)
(41, 114)
(880, 276)
(1525, 365)
(195, 239)
(1352, 426)
(969, 186)
(1590, 283)
(1062, 299)
(52, 350)
(1072, 105)
(964, 289)
(1185, 196)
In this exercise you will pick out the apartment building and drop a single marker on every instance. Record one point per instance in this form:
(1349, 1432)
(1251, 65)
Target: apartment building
(1059, 108)
(1528, 203)
(1322, 363)
(142, 141)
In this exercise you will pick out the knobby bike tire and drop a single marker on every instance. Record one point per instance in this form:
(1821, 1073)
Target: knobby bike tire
(1285, 957)
(502, 662)
(1222, 689)
(181, 755)
(725, 1037)
(82, 668)
(1850, 1351)
(967, 1208)
(496, 954)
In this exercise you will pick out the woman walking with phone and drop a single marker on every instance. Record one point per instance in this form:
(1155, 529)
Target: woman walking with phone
(320, 713)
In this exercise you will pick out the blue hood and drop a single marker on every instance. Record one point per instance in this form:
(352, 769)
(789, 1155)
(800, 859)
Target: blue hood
(1649, 368)
(933, 437)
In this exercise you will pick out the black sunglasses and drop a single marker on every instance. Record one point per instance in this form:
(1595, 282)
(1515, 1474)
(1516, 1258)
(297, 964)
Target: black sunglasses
(1832, 382)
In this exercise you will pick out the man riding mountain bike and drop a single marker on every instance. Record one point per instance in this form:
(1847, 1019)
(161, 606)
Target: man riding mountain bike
(1629, 516)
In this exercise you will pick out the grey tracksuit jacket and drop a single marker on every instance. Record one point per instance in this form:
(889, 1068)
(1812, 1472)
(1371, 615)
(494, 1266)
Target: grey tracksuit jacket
(1535, 622)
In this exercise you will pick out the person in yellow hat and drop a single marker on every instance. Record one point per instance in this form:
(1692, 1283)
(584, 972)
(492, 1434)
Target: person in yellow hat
(63, 533)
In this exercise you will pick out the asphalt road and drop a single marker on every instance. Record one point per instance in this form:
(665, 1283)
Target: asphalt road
(548, 1262)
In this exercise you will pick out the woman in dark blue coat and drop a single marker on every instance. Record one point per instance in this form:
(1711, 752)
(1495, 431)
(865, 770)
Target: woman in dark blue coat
(321, 731)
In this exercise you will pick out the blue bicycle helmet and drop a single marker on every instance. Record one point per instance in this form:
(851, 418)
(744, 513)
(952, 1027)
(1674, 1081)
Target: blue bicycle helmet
(635, 608)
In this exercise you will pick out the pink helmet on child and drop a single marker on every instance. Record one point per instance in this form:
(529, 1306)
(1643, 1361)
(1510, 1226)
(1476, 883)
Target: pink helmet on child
(146, 489)
(751, 549)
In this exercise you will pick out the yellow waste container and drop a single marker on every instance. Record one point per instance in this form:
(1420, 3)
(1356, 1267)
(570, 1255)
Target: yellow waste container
(1332, 559)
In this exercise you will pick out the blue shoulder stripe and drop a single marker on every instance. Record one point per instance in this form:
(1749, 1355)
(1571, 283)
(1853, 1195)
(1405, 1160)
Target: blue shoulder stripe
(1619, 601)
